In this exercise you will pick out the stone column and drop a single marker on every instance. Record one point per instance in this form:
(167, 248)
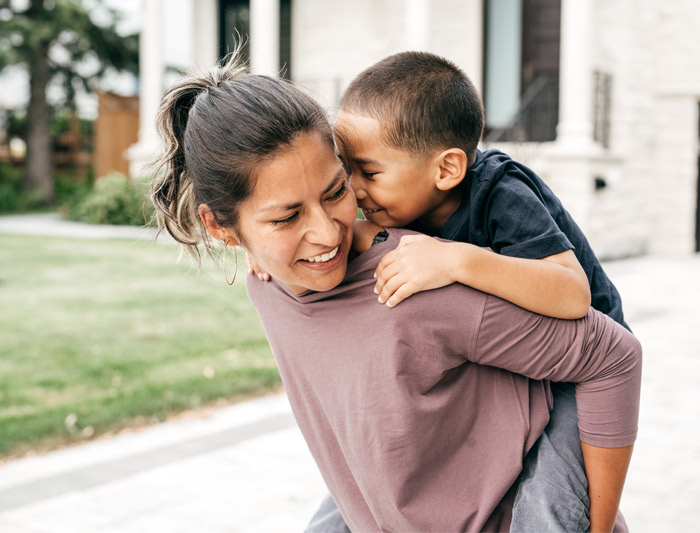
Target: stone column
(265, 37)
(206, 33)
(575, 75)
(417, 24)
(572, 156)
(150, 88)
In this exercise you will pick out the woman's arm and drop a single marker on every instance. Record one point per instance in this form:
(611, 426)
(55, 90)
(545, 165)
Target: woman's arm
(603, 359)
(596, 353)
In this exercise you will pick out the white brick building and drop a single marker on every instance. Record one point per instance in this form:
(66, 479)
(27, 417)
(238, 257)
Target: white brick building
(629, 177)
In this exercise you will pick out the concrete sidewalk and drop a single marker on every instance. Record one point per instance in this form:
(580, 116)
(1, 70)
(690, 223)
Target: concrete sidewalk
(246, 467)
(52, 225)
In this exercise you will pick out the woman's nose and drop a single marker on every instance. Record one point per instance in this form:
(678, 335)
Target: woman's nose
(323, 229)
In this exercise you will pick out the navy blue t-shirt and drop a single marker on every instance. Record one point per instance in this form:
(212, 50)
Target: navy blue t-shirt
(508, 208)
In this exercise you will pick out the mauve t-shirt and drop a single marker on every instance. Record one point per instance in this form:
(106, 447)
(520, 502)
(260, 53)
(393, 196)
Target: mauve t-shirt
(419, 416)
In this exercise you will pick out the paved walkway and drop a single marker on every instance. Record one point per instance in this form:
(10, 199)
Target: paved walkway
(51, 225)
(245, 468)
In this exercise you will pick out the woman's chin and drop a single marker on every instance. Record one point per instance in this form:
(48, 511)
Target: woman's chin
(320, 284)
(311, 278)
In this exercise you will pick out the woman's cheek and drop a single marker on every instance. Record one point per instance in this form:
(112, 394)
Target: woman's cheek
(350, 208)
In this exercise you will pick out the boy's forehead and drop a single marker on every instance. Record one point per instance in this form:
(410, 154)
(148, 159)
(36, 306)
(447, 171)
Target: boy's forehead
(360, 124)
(353, 131)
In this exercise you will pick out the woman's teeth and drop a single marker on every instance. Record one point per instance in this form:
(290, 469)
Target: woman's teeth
(323, 257)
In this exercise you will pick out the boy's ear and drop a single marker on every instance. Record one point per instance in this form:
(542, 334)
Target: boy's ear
(213, 228)
(453, 165)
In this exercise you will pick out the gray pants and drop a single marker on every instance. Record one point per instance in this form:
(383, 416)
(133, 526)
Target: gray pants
(552, 493)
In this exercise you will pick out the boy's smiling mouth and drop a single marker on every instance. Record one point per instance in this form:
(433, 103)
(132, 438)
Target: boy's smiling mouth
(368, 211)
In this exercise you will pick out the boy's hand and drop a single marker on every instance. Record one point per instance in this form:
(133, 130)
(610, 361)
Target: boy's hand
(419, 263)
(254, 268)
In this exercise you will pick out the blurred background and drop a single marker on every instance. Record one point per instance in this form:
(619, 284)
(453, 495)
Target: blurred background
(101, 332)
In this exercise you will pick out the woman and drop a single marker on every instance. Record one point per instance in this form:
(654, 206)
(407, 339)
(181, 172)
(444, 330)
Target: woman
(412, 414)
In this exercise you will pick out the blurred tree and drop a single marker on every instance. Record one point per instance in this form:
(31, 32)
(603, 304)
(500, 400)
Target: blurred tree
(58, 42)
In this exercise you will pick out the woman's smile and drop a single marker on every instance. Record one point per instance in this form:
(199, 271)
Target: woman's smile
(325, 261)
(298, 223)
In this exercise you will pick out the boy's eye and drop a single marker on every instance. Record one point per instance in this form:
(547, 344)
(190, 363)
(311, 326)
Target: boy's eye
(368, 175)
(339, 193)
(287, 220)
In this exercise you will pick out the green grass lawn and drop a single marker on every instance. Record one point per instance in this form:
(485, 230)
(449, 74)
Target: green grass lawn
(99, 335)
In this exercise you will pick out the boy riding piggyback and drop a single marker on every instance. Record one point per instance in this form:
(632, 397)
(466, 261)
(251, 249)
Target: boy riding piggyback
(407, 132)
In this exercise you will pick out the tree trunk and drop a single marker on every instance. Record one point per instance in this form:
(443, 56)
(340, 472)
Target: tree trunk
(39, 170)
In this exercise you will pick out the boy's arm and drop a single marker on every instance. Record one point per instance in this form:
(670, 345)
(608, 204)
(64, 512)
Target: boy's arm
(555, 286)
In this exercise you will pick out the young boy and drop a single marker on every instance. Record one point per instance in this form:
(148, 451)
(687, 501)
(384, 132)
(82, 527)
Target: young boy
(407, 132)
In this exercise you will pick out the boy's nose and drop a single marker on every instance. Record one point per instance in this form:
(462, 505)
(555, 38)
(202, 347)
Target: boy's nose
(360, 193)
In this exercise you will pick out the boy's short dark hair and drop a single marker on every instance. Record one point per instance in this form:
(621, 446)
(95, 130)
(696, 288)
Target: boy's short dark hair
(423, 101)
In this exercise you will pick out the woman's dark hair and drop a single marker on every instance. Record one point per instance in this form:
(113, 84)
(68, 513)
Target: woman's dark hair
(217, 130)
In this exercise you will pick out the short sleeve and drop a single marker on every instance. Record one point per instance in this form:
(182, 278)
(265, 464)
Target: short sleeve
(519, 223)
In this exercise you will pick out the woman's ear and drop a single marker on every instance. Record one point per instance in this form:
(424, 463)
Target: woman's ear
(213, 228)
(453, 165)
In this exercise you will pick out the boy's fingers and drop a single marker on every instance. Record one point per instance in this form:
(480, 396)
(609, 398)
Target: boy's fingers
(254, 269)
(403, 292)
(384, 276)
(390, 287)
(381, 274)
(385, 262)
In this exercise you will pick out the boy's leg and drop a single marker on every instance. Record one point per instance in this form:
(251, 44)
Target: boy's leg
(553, 490)
(327, 519)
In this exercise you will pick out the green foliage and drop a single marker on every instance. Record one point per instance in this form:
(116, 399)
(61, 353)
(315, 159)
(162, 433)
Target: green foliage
(61, 124)
(17, 123)
(114, 200)
(63, 44)
(99, 335)
(69, 27)
(11, 199)
(70, 192)
(14, 199)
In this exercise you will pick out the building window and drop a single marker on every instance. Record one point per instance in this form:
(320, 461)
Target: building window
(521, 69)
(602, 97)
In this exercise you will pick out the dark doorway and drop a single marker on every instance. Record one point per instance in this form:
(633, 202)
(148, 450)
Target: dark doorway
(234, 25)
(286, 39)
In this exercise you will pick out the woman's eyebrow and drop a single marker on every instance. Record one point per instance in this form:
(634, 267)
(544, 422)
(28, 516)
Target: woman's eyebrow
(339, 176)
(280, 207)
